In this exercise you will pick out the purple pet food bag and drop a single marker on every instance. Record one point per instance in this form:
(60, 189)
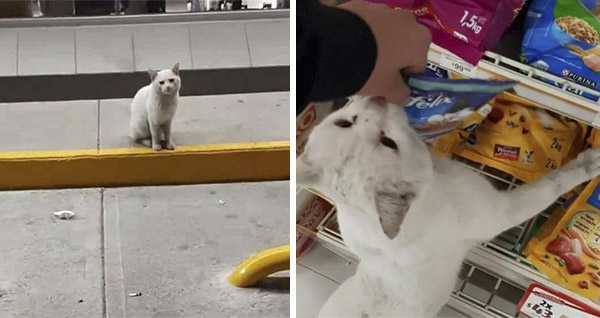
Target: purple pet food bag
(467, 28)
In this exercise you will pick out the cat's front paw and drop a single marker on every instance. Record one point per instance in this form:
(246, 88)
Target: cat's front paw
(589, 161)
(156, 147)
(170, 146)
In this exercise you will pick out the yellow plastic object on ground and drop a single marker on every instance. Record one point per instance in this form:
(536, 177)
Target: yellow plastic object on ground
(261, 265)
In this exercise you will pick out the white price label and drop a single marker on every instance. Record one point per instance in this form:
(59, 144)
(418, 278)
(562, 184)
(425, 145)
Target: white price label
(539, 306)
(454, 64)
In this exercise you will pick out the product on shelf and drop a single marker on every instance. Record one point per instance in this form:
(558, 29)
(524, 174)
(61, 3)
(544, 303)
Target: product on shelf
(309, 215)
(519, 139)
(468, 27)
(438, 105)
(594, 139)
(543, 302)
(562, 37)
(567, 249)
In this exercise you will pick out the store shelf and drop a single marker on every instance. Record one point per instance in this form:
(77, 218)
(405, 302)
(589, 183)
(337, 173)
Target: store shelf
(544, 89)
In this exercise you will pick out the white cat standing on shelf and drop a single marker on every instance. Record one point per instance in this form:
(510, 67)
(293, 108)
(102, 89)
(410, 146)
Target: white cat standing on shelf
(410, 217)
(153, 109)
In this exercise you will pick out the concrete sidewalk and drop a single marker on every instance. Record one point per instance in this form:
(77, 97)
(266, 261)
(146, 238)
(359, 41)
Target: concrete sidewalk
(174, 245)
(93, 124)
(129, 48)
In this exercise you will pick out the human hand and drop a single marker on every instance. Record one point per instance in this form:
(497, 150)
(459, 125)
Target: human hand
(402, 46)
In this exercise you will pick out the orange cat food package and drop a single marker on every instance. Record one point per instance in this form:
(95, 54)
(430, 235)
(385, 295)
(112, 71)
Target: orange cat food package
(594, 139)
(568, 250)
(518, 138)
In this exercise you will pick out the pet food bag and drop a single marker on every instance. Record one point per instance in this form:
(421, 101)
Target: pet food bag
(594, 139)
(568, 250)
(438, 105)
(562, 37)
(519, 139)
(467, 28)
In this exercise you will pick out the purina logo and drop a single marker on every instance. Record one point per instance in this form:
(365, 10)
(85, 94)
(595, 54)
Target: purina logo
(506, 152)
(578, 78)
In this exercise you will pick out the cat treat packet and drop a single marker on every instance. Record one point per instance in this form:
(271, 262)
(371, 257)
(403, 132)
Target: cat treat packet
(519, 139)
(562, 37)
(467, 28)
(440, 105)
(567, 250)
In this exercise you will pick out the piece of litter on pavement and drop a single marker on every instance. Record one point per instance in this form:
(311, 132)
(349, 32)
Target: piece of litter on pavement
(81, 300)
(221, 202)
(135, 294)
(64, 214)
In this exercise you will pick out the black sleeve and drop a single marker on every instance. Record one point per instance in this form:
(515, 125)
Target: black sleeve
(335, 53)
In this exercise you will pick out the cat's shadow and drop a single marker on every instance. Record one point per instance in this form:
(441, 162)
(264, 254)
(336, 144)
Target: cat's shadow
(275, 284)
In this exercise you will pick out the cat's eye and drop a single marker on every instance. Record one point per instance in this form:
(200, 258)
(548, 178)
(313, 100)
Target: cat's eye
(342, 123)
(161, 82)
(171, 80)
(388, 142)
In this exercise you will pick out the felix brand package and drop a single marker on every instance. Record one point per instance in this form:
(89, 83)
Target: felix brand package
(438, 105)
(465, 27)
(568, 250)
(562, 37)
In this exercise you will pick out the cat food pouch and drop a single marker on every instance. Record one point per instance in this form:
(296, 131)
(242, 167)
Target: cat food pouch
(519, 139)
(467, 28)
(562, 37)
(570, 254)
(439, 105)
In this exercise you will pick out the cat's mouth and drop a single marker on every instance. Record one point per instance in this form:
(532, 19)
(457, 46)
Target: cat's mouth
(169, 91)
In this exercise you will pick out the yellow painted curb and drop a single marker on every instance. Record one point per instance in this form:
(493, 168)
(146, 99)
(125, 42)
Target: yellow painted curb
(142, 166)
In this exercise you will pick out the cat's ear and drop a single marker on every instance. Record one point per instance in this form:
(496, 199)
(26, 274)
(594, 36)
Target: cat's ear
(152, 74)
(175, 69)
(307, 173)
(391, 209)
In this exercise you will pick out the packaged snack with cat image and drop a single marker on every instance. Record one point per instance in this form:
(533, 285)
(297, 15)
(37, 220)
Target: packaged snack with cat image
(519, 139)
(568, 250)
(438, 106)
(563, 38)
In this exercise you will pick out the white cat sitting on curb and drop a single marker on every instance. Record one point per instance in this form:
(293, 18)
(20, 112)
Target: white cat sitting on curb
(410, 217)
(153, 108)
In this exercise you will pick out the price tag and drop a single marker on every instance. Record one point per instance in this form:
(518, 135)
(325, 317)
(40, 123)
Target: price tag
(457, 65)
(540, 302)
